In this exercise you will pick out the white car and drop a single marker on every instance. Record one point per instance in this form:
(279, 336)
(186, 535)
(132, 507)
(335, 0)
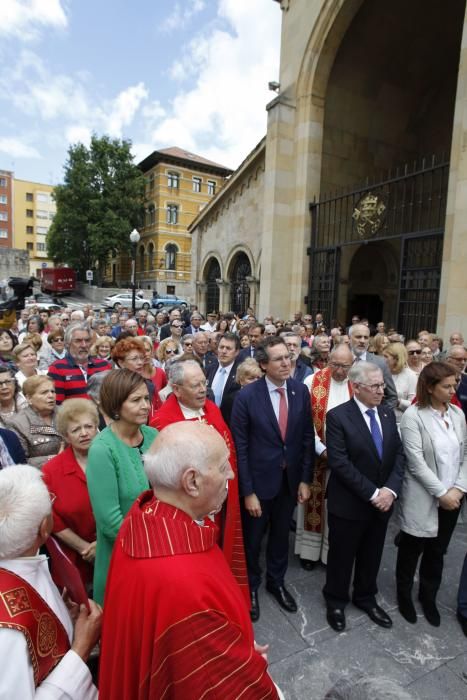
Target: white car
(125, 299)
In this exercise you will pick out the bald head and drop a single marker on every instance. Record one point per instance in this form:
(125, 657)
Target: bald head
(340, 362)
(194, 481)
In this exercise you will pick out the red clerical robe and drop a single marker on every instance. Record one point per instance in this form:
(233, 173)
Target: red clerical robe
(229, 522)
(176, 626)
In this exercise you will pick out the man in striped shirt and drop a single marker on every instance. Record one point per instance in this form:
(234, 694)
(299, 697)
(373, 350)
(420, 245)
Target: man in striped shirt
(71, 374)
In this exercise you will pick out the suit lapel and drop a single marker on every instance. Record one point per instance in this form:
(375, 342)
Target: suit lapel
(384, 417)
(268, 406)
(357, 417)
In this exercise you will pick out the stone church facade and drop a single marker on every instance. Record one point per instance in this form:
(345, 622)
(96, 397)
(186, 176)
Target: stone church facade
(361, 204)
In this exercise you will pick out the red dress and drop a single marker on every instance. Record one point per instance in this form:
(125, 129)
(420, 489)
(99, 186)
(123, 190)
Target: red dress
(229, 520)
(72, 508)
(175, 626)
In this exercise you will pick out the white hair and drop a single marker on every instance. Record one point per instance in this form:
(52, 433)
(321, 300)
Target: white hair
(77, 315)
(165, 463)
(24, 503)
(359, 371)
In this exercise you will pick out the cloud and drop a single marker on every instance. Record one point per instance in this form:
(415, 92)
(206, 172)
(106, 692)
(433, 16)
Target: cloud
(78, 134)
(123, 109)
(180, 17)
(24, 19)
(17, 149)
(222, 113)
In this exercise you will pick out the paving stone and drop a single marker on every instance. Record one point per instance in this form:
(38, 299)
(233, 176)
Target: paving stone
(439, 684)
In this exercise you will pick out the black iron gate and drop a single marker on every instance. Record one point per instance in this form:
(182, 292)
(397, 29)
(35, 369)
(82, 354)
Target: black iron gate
(410, 205)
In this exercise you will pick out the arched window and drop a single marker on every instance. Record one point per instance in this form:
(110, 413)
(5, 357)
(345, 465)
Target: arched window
(213, 273)
(151, 256)
(151, 218)
(141, 258)
(171, 251)
(240, 289)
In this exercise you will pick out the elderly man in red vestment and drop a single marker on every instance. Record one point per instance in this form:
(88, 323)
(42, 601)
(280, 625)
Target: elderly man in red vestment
(188, 402)
(176, 625)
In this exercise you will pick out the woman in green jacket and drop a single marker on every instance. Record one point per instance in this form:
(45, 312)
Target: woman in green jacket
(115, 472)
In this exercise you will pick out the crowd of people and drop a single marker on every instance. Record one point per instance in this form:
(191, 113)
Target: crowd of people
(167, 447)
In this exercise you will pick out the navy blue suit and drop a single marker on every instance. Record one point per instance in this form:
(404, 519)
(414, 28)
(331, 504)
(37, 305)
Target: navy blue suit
(357, 529)
(272, 469)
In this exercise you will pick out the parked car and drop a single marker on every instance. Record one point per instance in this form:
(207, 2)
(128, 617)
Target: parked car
(45, 301)
(125, 299)
(167, 300)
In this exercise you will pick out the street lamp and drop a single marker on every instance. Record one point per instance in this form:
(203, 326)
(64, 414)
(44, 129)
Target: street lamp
(134, 240)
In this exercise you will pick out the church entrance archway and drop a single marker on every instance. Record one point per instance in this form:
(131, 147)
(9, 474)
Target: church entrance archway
(389, 105)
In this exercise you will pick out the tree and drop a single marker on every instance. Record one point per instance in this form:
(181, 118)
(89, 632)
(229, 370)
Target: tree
(100, 202)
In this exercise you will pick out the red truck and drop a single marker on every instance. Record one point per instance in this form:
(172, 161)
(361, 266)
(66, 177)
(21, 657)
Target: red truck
(58, 280)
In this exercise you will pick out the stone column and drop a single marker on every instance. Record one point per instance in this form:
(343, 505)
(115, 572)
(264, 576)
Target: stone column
(200, 300)
(253, 284)
(224, 294)
(453, 293)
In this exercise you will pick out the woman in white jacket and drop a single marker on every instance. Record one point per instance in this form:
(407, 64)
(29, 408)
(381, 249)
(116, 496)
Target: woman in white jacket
(434, 437)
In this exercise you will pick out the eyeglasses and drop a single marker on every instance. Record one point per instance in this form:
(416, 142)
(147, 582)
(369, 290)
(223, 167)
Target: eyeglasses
(338, 365)
(414, 352)
(374, 387)
(58, 340)
(5, 382)
(176, 325)
(135, 358)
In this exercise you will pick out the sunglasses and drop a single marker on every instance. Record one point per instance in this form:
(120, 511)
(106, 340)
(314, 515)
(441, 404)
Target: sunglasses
(169, 352)
(414, 352)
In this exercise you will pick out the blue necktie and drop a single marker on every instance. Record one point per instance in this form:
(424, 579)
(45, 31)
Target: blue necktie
(375, 432)
(218, 386)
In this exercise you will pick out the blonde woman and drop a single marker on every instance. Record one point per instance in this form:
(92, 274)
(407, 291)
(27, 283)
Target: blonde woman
(404, 378)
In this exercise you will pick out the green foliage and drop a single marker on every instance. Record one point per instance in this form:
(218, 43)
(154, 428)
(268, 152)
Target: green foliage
(98, 205)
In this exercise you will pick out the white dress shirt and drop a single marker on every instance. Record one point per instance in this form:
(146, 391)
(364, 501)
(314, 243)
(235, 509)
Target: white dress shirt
(447, 448)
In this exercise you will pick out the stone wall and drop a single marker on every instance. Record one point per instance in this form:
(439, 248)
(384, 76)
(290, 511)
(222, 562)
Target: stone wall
(14, 263)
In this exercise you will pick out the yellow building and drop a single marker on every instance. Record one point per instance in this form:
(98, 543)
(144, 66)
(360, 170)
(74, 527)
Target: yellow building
(33, 212)
(178, 185)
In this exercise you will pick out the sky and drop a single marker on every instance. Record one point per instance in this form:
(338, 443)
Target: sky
(161, 73)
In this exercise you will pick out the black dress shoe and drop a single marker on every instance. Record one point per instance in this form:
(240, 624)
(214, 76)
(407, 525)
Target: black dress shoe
(407, 608)
(283, 597)
(376, 614)
(307, 564)
(462, 622)
(254, 610)
(336, 619)
(431, 612)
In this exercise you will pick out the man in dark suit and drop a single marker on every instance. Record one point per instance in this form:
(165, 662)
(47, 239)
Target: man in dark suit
(221, 373)
(366, 460)
(195, 322)
(273, 434)
(201, 349)
(174, 315)
(256, 336)
(359, 341)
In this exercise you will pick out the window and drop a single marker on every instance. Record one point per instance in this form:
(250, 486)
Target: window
(151, 181)
(3, 233)
(151, 255)
(42, 214)
(29, 212)
(151, 219)
(41, 229)
(3, 199)
(170, 289)
(173, 180)
(51, 215)
(43, 197)
(29, 246)
(197, 184)
(2, 181)
(29, 197)
(40, 247)
(29, 229)
(172, 214)
(3, 216)
(171, 251)
(211, 187)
